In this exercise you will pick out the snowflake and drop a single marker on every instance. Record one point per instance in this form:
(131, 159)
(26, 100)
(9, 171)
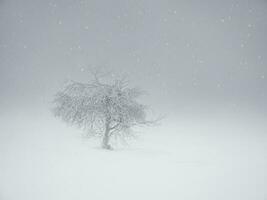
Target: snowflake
(219, 85)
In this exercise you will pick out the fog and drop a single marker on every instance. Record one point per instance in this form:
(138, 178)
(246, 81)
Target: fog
(203, 64)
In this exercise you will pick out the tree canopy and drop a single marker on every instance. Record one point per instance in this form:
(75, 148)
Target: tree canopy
(104, 109)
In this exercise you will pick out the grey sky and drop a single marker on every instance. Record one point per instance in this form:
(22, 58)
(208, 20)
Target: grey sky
(183, 52)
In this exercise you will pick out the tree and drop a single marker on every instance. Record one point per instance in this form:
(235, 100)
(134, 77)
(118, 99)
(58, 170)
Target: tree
(104, 109)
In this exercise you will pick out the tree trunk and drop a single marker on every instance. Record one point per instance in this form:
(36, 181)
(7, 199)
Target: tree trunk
(105, 141)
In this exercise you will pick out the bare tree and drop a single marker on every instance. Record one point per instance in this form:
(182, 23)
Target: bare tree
(104, 109)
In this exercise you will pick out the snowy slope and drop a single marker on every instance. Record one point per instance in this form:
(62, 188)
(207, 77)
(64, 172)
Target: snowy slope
(41, 158)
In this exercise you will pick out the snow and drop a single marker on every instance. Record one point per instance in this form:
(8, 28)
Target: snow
(184, 158)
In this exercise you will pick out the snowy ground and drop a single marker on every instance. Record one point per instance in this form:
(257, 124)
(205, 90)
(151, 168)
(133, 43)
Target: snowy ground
(185, 158)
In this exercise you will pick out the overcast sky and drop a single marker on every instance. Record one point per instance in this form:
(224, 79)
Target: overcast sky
(182, 52)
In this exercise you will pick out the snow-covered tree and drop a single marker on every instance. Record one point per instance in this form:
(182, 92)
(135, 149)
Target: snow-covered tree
(106, 109)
